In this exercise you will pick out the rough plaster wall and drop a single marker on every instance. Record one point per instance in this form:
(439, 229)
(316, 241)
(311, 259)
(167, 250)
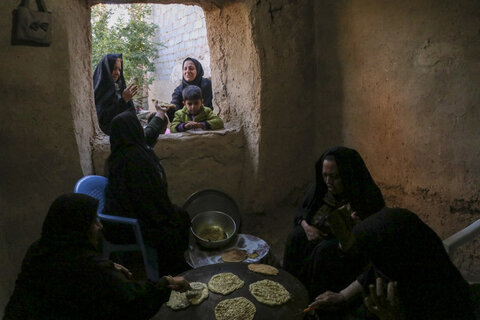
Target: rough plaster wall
(409, 103)
(329, 79)
(285, 41)
(39, 158)
(236, 81)
(194, 162)
(82, 102)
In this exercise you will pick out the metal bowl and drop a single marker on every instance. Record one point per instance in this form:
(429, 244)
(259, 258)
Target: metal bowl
(213, 229)
(213, 200)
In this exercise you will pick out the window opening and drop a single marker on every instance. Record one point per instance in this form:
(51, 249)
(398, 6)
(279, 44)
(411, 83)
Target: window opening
(154, 40)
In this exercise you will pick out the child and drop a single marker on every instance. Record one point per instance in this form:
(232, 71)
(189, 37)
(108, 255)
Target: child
(194, 115)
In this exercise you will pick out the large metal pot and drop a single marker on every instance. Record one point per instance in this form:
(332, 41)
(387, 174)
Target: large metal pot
(204, 223)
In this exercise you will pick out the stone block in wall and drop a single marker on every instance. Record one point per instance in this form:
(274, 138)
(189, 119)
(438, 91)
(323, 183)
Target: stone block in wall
(198, 24)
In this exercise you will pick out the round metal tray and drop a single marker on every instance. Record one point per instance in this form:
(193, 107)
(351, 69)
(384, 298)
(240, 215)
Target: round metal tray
(196, 257)
(291, 310)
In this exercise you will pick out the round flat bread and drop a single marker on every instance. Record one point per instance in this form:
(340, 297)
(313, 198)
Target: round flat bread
(224, 283)
(178, 300)
(263, 269)
(269, 292)
(235, 309)
(234, 255)
(253, 255)
(198, 293)
(182, 300)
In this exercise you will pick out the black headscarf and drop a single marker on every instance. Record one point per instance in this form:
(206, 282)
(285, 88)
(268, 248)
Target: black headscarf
(129, 151)
(127, 134)
(68, 219)
(126, 131)
(404, 249)
(359, 188)
(108, 94)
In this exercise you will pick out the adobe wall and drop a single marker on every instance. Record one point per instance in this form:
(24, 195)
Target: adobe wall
(192, 162)
(40, 158)
(285, 44)
(402, 78)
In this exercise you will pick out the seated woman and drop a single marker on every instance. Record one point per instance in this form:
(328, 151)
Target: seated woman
(137, 188)
(312, 253)
(64, 277)
(408, 256)
(112, 97)
(192, 72)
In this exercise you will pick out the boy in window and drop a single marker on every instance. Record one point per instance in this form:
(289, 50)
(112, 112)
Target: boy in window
(194, 115)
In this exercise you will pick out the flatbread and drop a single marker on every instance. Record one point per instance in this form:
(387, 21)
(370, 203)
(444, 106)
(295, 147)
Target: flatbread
(235, 309)
(182, 300)
(164, 104)
(234, 255)
(178, 300)
(198, 293)
(253, 255)
(263, 269)
(269, 292)
(224, 283)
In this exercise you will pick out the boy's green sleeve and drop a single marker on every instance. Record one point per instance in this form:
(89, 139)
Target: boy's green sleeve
(176, 121)
(214, 121)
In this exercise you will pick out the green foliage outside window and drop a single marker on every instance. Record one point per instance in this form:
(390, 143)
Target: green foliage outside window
(133, 37)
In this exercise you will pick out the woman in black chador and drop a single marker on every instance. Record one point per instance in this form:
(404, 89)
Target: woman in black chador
(63, 275)
(410, 276)
(112, 97)
(137, 188)
(192, 74)
(312, 252)
(405, 250)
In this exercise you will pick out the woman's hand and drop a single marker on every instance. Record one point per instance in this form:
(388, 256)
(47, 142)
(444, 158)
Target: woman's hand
(178, 284)
(129, 92)
(161, 110)
(329, 301)
(123, 270)
(385, 308)
(311, 232)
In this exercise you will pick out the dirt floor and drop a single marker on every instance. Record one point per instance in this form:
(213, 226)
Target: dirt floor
(273, 227)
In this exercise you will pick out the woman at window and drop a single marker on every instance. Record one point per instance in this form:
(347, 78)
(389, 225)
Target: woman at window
(312, 253)
(137, 188)
(112, 97)
(192, 72)
(63, 275)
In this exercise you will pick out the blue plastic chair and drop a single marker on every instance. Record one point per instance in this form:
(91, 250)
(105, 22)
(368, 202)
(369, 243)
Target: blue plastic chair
(94, 186)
